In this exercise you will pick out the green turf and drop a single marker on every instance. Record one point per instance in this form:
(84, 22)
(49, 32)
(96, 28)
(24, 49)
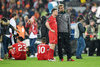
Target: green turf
(33, 62)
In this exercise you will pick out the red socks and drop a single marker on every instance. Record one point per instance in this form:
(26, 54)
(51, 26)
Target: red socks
(51, 53)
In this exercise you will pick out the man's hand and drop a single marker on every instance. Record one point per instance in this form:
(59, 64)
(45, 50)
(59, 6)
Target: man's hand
(52, 30)
(17, 30)
(29, 21)
(10, 47)
(47, 25)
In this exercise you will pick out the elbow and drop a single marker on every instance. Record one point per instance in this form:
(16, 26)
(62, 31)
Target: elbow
(46, 24)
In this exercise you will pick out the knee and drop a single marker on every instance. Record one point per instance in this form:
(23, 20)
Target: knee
(84, 46)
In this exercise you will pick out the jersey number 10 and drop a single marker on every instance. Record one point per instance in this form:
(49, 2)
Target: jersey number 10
(41, 50)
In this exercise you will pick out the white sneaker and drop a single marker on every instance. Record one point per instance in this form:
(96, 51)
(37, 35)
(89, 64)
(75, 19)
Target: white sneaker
(31, 56)
(52, 59)
(13, 58)
(35, 55)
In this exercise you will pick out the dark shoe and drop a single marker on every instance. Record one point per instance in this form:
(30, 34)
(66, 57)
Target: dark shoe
(90, 55)
(98, 55)
(62, 60)
(81, 57)
(78, 58)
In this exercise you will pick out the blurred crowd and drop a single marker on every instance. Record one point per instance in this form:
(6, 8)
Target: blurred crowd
(24, 9)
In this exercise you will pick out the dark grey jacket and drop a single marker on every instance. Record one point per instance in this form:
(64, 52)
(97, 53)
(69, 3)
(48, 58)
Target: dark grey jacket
(63, 21)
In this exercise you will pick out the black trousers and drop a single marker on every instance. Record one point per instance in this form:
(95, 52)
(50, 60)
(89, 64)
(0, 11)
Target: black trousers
(93, 45)
(98, 48)
(64, 42)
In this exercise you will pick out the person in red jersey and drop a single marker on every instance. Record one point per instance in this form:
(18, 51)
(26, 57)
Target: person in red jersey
(51, 24)
(43, 49)
(18, 50)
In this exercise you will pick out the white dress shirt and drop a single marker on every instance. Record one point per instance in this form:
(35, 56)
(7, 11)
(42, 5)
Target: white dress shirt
(13, 23)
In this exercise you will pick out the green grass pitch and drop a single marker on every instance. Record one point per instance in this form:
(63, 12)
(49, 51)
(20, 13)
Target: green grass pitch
(33, 62)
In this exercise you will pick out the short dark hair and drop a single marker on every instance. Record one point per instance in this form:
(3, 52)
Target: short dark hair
(80, 18)
(43, 40)
(60, 5)
(20, 38)
(53, 9)
(13, 15)
(4, 19)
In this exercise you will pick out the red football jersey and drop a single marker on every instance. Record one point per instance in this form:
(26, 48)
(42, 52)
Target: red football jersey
(52, 23)
(20, 51)
(52, 35)
(42, 51)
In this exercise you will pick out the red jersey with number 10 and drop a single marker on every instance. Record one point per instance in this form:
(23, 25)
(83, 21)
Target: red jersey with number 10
(42, 51)
(20, 51)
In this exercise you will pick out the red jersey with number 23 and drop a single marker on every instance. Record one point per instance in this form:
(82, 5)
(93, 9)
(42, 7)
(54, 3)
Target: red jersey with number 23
(42, 51)
(20, 51)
